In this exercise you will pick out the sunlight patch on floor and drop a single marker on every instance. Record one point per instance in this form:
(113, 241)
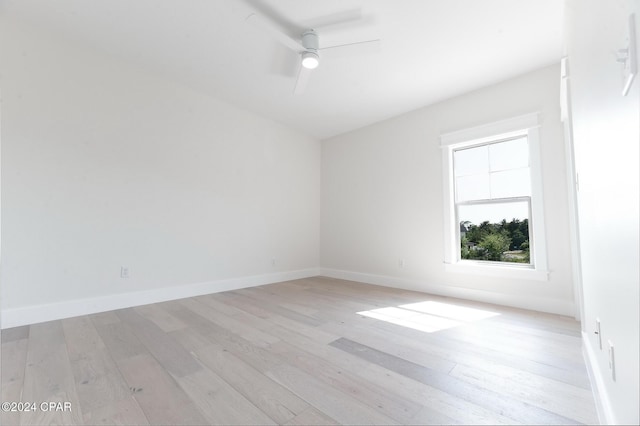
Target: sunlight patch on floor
(428, 316)
(450, 311)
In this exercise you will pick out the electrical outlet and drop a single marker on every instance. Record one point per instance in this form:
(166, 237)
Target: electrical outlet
(401, 263)
(273, 262)
(598, 333)
(124, 272)
(612, 361)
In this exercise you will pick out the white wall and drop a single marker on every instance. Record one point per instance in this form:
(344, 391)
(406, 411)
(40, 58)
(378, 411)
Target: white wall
(382, 197)
(104, 165)
(606, 129)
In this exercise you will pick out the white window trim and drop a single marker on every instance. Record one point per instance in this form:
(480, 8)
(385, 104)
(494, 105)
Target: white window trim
(522, 125)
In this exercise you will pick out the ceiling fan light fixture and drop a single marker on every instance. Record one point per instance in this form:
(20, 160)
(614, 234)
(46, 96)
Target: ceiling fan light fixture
(310, 60)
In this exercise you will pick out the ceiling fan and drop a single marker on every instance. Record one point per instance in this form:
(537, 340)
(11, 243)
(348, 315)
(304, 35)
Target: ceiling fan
(308, 47)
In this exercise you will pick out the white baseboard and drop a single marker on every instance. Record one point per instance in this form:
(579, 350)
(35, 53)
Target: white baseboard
(54, 311)
(603, 403)
(552, 306)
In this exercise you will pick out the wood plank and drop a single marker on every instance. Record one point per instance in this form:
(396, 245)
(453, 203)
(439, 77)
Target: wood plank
(460, 412)
(219, 402)
(160, 317)
(165, 349)
(190, 338)
(158, 394)
(301, 309)
(311, 416)
(14, 360)
(436, 402)
(104, 318)
(275, 401)
(97, 378)
(11, 392)
(519, 411)
(391, 343)
(221, 303)
(13, 363)
(48, 377)
(247, 331)
(257, 357)
(238, 302)
(382, 399)
(16, 333)
(534, 348)
(401, 342)
(544, 365)
(247, 298)
(563, 339)
(122, 412)
(120, 340)
(552, 397)
(81, 336)
(196, 322)
(277, 322)
(336, 404)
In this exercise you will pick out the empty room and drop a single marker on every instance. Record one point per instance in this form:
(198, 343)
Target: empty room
(249, 212)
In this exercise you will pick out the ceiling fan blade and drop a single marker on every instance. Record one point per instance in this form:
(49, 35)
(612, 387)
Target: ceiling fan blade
(302, 80)
(348, 49)
(339, 19)
(277, 33)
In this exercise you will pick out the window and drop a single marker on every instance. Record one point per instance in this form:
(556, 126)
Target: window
(492, 189)
(493, 207)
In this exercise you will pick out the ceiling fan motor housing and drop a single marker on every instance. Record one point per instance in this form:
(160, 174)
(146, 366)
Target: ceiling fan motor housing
(310, 57)
(310, 41)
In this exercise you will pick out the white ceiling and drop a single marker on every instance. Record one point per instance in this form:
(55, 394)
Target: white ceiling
(431, 49)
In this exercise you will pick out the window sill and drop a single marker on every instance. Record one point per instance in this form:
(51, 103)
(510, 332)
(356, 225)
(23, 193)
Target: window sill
(493, 270)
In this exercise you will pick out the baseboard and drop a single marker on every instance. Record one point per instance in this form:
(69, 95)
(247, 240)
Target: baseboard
(71, 308)
(552, 306)
(603, 404)
(54, 311)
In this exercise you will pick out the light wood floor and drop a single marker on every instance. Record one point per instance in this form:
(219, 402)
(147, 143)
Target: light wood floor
(300, 353)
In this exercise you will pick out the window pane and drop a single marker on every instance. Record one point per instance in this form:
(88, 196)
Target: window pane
(507, 155)
(493, 212)
(474, 187)
(471, 161)
(497, 232)
(511, 183)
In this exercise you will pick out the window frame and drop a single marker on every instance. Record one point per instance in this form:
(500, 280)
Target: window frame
(525, 125)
